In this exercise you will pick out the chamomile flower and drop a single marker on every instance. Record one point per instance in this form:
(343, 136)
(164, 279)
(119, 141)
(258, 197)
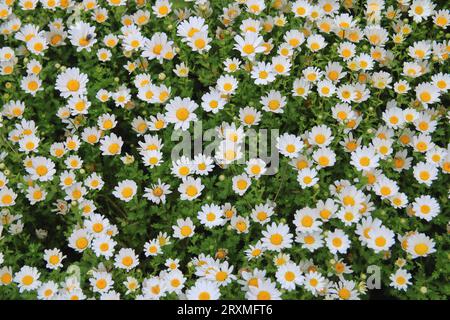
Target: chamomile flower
(436, 155)
(310, 241)
(249, 45)
(314, 282)
(307, 220)
(277, 237)
(349, 215)
(289, 276)
(240, 224)
(184, 228)
(162, 8)
(344, 290)
(72, 83)
(307, 177)
(181, 112)
(210, 215)
(241, 183)
(82, 36)
(337, 241)
(126, 259)
(399, 200)
(289, 145)
(6, 276)
(96, 224)
(27, 278)
(262, 213)
(381, 239)
(320, 136)
(42, 169)
(255, 168)
(80, 240)
(213, 102)
(31, 84)
(422, 143)
(421, 10)
(54, 258)
(125, 190)
(37, 45)
(221, 274)
(190, 188)
(420, 245)
(200, 42)
(229, 151)
(47, 291)
(385, 187)
(316, 42)
(273, 102)
(94, 182)
(263, 73)
(157, 192)
(427, 94)
(103, 245)
(400, 279)
(232, 65)
(266, 290)
(426, 207)
(101, 281)
(203, 290)
(254, 252)
(441, 18)
(401, 87)
(202, 164)
(425, 173)
(301, 88)
(152, 248)
(324, 157)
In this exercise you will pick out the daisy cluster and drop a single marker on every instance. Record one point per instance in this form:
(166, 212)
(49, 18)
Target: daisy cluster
(93, 205)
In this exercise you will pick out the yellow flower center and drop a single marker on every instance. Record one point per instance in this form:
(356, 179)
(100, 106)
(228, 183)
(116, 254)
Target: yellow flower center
(127, 192)
(114, 148)
(276, 239)
(385, 191)
(380, 241)
(242, 184)
(221, 276)
(263, 295)
(320, 138)
(27, 280)
(191, 191)
(344, 293)
(101, 284)
(248, 48)
(421, 249)
(424, 175)
(200, 43)
(289, 276)
(81, 243)
(337, 242)
(185, 231)
(6, 278)
(307, 221)
(425, 96)
(97, 227)
(163, 10)
(73, 85)
(33, 85)
(182, 114)
(204, 296)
